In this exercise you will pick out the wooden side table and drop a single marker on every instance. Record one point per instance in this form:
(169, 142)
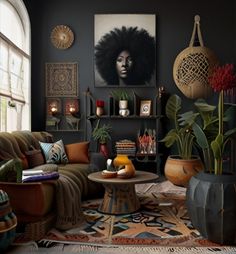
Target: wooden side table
(120, 196)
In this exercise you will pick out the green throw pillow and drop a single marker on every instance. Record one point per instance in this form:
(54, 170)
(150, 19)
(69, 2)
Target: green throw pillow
(11, 171)
(54, 152)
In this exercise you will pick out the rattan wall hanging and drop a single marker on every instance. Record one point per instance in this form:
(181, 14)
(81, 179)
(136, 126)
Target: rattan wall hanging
(193, 65)
(62, 37)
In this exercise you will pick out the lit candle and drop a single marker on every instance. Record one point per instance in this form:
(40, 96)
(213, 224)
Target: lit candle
(72, 109)
(53, 109)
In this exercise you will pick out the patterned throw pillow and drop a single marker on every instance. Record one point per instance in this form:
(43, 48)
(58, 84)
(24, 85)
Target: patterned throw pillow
(54, 152)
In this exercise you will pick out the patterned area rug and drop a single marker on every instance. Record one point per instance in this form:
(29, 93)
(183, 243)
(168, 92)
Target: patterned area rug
(161, 226)
(91, 249)
(162, 220)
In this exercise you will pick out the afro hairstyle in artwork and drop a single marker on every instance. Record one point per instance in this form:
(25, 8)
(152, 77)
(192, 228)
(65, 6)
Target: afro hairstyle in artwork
(141, 46)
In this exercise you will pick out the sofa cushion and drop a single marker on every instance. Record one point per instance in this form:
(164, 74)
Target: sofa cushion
(78, 152)
(35, 158)
(54, 152)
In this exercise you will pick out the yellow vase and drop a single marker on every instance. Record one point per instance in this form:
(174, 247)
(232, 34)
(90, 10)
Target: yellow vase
(121, 160)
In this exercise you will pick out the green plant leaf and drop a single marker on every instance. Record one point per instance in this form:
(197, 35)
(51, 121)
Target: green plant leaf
(229, 114)
(170, 138)
(102, 134)
(203, 106)
(217, 145)
(120, 94)
(200, 136)
(187, 118)
(173, 106)
(206, 111)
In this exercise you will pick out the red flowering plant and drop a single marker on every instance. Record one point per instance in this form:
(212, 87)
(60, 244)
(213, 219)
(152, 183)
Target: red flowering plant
(221, 80)
(209, 131)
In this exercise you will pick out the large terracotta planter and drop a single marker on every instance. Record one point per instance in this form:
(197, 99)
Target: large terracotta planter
(179, 171)
(211, 204)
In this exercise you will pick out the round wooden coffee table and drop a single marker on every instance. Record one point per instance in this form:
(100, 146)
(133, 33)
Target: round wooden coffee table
(120, 196)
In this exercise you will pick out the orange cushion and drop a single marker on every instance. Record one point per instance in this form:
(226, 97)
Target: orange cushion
(78, 152)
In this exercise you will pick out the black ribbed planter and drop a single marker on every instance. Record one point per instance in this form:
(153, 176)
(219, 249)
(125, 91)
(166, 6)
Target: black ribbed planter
(211, 204)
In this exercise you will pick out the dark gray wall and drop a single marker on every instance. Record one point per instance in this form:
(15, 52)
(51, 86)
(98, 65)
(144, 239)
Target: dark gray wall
(174, 22)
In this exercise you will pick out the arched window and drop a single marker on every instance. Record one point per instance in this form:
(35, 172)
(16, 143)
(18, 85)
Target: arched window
(14, 66)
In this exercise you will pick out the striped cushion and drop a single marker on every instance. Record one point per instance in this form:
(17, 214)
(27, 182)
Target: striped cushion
(54, 152)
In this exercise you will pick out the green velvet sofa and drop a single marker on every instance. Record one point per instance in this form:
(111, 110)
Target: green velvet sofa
(36, 203)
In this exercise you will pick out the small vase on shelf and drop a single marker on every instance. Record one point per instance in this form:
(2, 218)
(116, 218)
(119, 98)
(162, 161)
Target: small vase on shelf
(99, 107)
(99, 111)
(123, 108)
(104, 150)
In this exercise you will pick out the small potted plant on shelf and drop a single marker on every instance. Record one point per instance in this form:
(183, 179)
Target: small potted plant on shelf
(123, 98)
(101, 135)
(181, 167)
(211, 195)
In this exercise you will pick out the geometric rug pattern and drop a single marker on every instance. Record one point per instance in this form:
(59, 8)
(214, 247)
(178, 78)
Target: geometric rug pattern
(161, 226)
(162, 220)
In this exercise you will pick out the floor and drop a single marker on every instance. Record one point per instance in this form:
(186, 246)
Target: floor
(70, 249)
(61, 248)
(32, 247)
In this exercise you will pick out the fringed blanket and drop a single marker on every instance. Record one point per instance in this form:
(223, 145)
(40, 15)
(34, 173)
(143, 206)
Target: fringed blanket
(69, 188)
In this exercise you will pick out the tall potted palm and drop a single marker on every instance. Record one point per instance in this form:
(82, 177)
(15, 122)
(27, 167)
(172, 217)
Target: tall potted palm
(181, 167)
(211, 195)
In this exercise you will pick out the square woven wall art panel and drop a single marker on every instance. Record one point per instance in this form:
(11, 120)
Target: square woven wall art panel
(62, 80)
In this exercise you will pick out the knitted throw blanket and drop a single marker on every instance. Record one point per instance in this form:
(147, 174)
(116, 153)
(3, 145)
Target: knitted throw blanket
(68, 200)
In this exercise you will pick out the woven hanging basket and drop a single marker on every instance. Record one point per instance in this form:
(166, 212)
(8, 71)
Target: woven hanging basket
(193, 66)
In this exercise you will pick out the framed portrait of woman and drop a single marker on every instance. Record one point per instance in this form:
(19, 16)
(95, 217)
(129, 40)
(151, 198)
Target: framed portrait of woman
(125, 50)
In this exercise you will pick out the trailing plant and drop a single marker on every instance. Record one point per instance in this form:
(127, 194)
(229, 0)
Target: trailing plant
(102, 134)
(120, 94)
(182, 136)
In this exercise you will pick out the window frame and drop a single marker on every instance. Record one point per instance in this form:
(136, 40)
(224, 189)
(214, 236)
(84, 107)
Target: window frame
(25, 54)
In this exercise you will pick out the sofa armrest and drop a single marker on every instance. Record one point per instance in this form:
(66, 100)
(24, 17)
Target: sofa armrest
(97, 162)
(34, 199)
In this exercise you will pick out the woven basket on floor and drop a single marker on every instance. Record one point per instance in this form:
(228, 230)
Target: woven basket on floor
(193, 66)
(37, 230)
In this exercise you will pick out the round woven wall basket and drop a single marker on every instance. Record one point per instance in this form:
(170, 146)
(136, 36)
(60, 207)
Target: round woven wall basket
(193, 66)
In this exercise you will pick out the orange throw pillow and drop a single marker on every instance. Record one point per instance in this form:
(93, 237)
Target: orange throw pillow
(78, 152)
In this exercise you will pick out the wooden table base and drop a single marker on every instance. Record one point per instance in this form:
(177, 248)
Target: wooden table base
(120, 196)
(119, 199)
